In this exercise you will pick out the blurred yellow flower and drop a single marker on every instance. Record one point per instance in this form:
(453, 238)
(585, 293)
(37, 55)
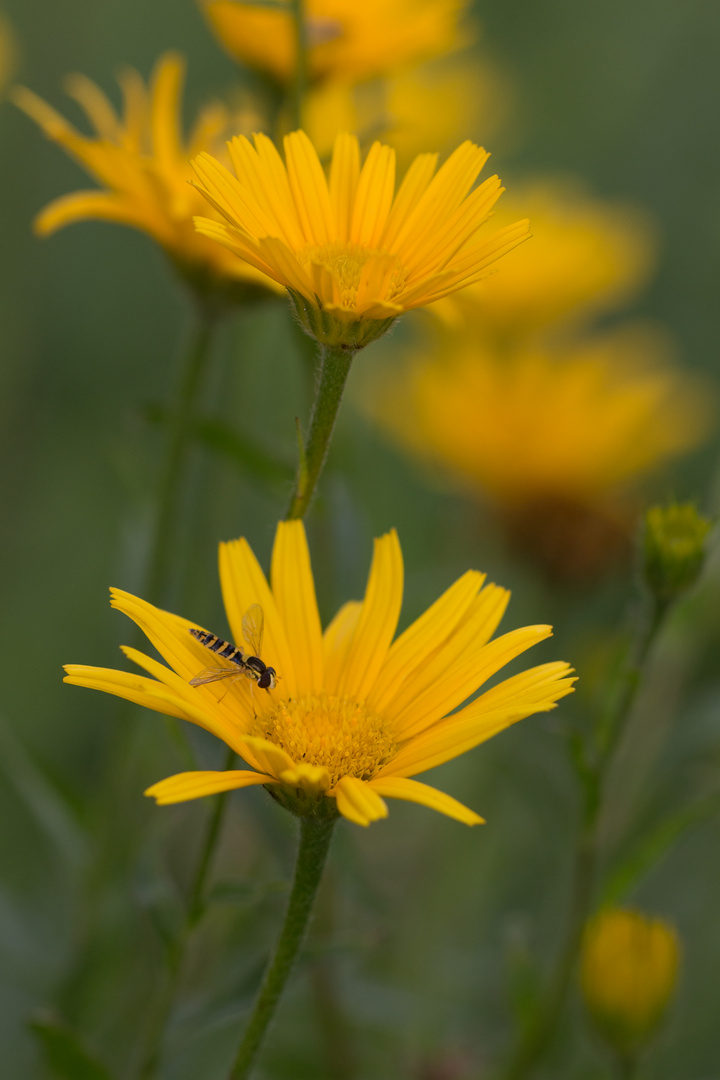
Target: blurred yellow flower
(354, 715)
(581, 423)
(629, 969)
(353, 253)
(587, 256)
(435, 104)
(347, 40)
(143, 163)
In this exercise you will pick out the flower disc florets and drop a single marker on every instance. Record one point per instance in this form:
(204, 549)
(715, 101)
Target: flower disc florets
(338, 733)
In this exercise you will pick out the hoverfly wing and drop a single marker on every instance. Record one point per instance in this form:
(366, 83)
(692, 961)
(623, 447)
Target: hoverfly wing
(214, 675)
(253, 625)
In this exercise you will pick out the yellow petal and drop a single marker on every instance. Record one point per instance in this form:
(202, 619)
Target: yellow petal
(229, 197)
(414, 185)
(374, 196)
(313, 779)
(231, 698)
(270, 758)
(471, 634)
(423, 638)
(537, 690)
(98, 109)
(87, 206)
(357, 801)
(194, 785)
(294, 591)
(243, 584)
(153, 695)
(165, 96)
(378, 619)
(461, 680)
(344, 174)
(337, 640)
(309, 189)
(396, 787)
(262, 171)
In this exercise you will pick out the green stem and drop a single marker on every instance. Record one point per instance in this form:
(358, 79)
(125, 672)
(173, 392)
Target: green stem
(300, 75)
(335, 363)
(541, 1030)
(182, 420)
(315, 836)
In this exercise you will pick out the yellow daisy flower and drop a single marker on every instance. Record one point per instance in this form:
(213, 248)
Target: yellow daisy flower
(587, 256)
(583, 422)
(353, 253)
(347, 40)
(354, 714)
(142, 162)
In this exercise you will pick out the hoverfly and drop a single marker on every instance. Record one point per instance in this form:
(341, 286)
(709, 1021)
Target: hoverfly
(248, 664)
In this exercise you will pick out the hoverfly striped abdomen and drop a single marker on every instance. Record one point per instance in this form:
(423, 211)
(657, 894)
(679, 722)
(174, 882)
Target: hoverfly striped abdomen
(216, 644)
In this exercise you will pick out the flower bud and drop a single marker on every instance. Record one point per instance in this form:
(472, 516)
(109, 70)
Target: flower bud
(628, 972)
(673, 548)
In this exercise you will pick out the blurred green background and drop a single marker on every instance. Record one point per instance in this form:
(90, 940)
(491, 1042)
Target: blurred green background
(440, 932)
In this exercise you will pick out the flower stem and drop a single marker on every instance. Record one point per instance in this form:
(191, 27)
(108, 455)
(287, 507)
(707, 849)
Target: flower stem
(315, 836)
(300, 78)
(611, 727)
(335, 363)
(196, 358)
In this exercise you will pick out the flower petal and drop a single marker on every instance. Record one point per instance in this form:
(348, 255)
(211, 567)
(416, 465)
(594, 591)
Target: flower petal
(461, 680)
(313, 779)
(154, 695)
(468, 641)
(357, 801)
(194, 785)
(309, 189)
(397, 787)
(537, 690)
(337, 640)
(374, 197)
(413, 186)
(243, 583)
(344, 173)
(423, 638)
(378, 619)
(84, 206)
(294, 591)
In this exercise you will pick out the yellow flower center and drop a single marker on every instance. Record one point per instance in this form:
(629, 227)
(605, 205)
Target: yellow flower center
(339, 733)
(346, 262)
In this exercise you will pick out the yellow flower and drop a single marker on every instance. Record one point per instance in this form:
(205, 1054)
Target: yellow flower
(142, 162)
(586, 257)
(579, 423)
(347, 40)
(433, 104)
(353, 253)
(628, 971)
(354, 714)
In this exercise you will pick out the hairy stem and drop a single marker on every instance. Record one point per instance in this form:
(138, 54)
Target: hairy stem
(315, 836)
(335, 363)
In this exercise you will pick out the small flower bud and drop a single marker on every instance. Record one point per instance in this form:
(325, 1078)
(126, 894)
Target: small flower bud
(673, 548)
(628, 972)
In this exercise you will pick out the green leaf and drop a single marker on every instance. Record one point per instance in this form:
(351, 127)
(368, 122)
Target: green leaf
(63, 1053)
(653, 847)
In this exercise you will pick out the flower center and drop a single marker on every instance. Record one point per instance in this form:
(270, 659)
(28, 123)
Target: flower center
(346, 262)
(339, 733)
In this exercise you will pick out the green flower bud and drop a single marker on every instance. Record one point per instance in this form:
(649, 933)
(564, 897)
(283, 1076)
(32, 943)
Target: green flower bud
(628, 973)
(674, 548)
